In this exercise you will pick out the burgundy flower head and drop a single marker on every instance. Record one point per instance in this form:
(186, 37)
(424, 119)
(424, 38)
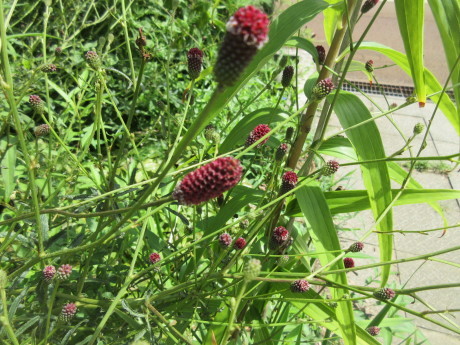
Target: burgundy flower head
(300, 285)
(322, 89)
(251, 24)
(373, 330)
(240, 243)
(288, 73)
(288, 181)
(368, 5)
(154, 258)
(356, 247)
(48, 273)
(225, 240)
(369, 66)
(68, 311)
(64, 272)
(280, 234)
(209, 181)
(247, 31)
(281, 152)
(257, 133)
(331, 168)
(384, 293)
(195, 60)
(321, 54)
(348, 263)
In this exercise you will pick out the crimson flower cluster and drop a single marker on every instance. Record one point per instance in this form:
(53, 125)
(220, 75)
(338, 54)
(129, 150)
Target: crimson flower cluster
(209, 181)
(258, 132)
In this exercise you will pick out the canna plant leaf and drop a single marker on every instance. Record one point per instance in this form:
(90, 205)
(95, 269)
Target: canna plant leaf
(346, 201)
(369, 146)
(322, 231)
(447, 16)
(410, 14)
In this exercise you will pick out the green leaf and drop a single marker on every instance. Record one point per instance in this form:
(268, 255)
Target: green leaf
(368, 145)
(332, 19)
(410, 14)
(346, 201)
(398, 174)
(338, 147)
(240, 132)
(322, 231)
(447, 16)
(8, 167)
(323, 314)
(303, 43)
(446, 105)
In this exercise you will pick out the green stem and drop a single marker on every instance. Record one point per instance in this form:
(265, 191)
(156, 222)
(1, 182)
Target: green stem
(234, 309)
(127, 133)
(50, 309)
(5, 319)
(8, 87)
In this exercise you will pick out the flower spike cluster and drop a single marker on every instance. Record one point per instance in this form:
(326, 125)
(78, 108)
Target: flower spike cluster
(257, 133)
(209, 181)
(247, 31)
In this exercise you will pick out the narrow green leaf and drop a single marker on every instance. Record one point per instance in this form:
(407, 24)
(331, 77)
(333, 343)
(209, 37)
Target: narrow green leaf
(447, 16)
(358, 200)
(410, 14)
(303, 43)
(8, 167)
(240, 132)
(322, 231)
(368, 145)
(332, 19)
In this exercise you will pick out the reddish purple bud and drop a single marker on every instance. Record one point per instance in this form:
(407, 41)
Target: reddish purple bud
(368, 5)
(247, 31)
(330, 168)
(240, 243)
(50, 68)
(48, 273)
(288, 73)
(37, 104)
(41, 130)
(369, 66)
(356, 247)
(300, 285)
(280, 234)
(288, 181)
(64, 272)
(68, 311)
(93, 59)
(225, 240)
(321, 54)
(209, 181)
(348, 263)
(281, 152)
(257, 133)
(384, 294)
(322, 89)
(154, 258)
(195, 60)
(373, 330)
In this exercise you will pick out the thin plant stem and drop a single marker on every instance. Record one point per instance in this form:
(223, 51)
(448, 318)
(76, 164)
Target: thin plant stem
(8, 87)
